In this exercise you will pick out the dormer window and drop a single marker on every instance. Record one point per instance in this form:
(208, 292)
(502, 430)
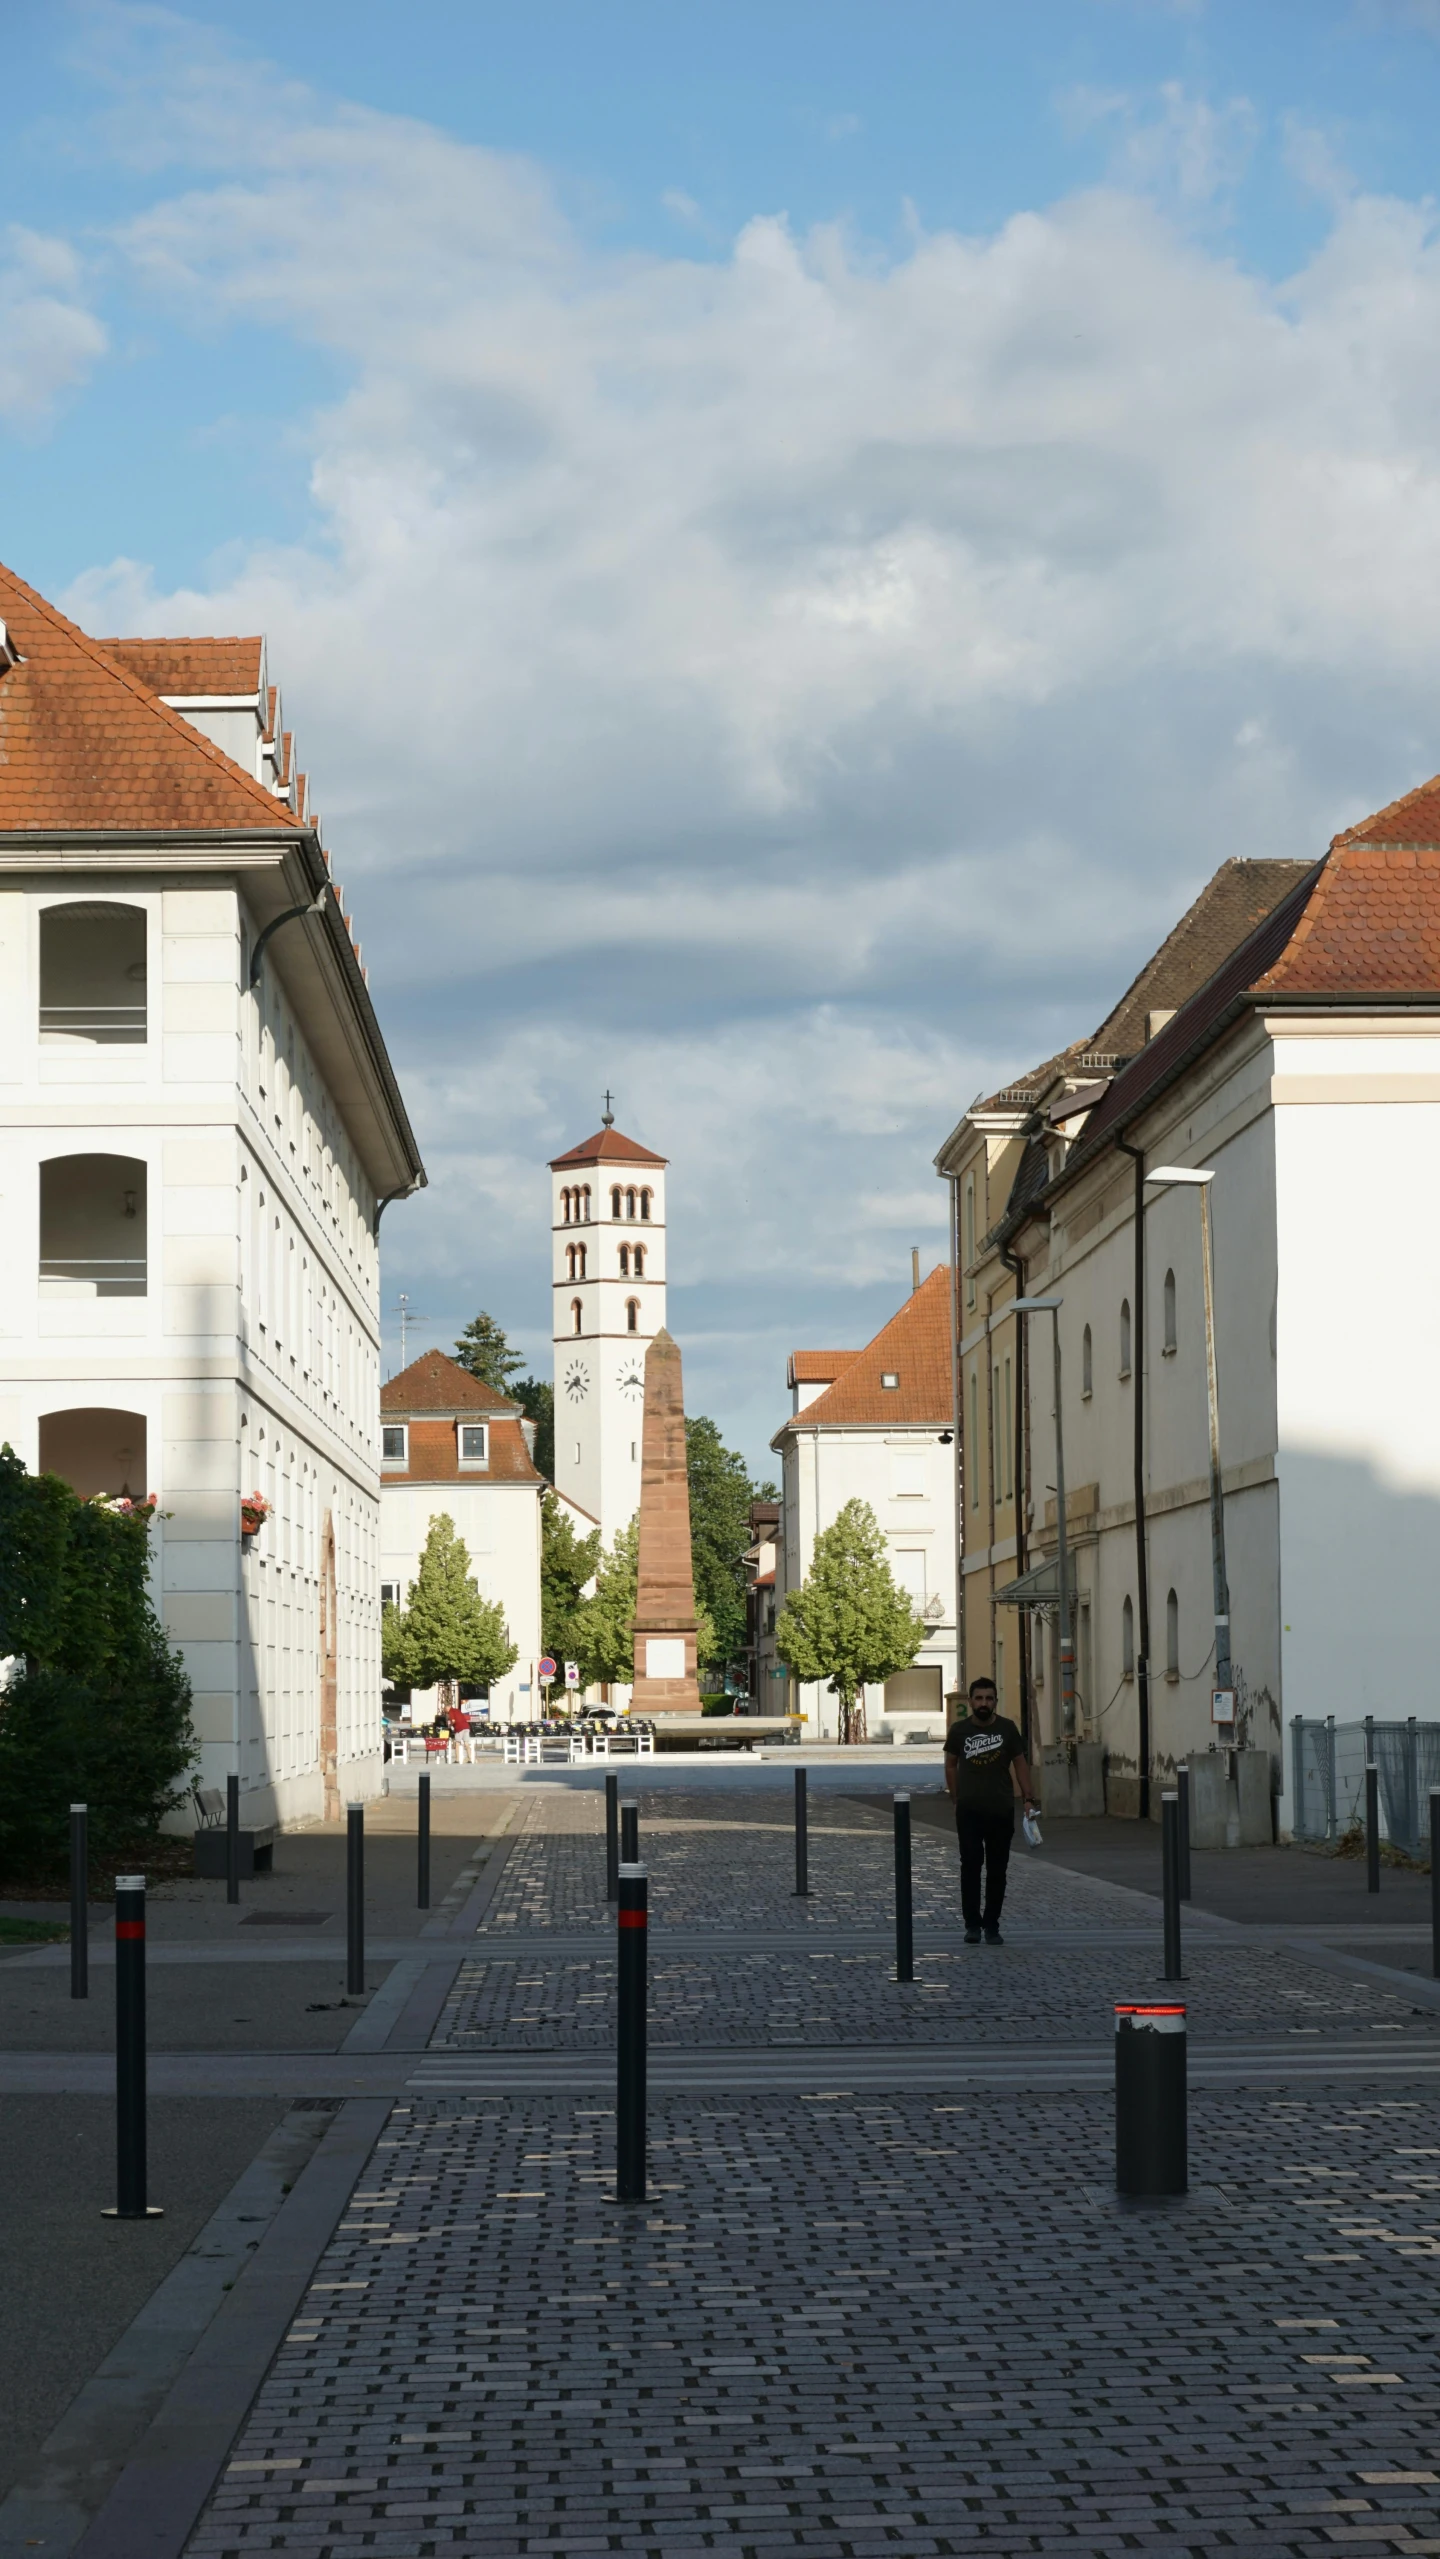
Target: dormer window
(889, 1377)
(395, 1444)
(474, 1444)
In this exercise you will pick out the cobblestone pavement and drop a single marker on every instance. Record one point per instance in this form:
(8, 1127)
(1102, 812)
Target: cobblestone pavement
(966, 1995)
(848, 2328)
(727, 1861)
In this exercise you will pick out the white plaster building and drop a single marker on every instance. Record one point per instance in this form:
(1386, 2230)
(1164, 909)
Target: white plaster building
(1304, 1075)
(197, 1136)
(608, 1284)
(450, 1443)
(875, 1426)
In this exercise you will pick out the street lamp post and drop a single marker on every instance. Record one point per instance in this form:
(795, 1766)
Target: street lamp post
(1051, 1306)
(1190, 1177)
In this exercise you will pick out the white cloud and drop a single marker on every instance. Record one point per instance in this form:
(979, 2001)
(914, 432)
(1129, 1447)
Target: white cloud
(796, 685)
(50, 340)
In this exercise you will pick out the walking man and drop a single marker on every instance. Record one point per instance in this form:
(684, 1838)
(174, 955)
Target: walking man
(984, 1767)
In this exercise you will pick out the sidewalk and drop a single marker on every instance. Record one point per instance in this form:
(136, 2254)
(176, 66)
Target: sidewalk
(882, 2295)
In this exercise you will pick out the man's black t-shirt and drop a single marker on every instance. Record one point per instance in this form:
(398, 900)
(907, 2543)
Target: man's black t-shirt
(984, 1752)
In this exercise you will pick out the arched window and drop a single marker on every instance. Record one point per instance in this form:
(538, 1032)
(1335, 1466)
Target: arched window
(1172, 1636)
(1124, 1336)
(93, 1226)
(632, 1314)
(629, 1203)
(1127, 1640)
(1168, 1305)
(615, 1201)
(585, 1202)
(579, 1261)
(575, 1314)
(624, 1261)
(1087, 1364)
(570, 1261)
(565, 1205)
(645, 1203)
(639, 1261)
(92, 974)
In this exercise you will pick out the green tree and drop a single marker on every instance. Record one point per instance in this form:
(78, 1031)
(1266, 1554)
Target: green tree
(484, 1349)
(567, 1562)
(720, 1496)
(536, 1399)
(849, 1622)
(446, 1631)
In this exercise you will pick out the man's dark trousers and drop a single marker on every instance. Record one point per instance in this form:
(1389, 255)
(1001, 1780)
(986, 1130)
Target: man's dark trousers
(985, 1840)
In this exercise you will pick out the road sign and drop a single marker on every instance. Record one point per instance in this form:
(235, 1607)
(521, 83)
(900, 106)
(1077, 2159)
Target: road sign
(572, 1674)
(546, 1668)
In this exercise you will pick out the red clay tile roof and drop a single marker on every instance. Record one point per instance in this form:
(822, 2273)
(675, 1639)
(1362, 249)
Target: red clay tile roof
(915, 1346)
(84, 744)
(816, 1368)
(434, 1383)
(607, 1146)
(190, 667)
(1372, 926)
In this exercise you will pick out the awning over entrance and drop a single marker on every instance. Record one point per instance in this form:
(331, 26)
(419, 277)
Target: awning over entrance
(1039, 1588)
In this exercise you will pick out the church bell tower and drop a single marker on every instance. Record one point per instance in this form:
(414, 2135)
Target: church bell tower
(607, 1216)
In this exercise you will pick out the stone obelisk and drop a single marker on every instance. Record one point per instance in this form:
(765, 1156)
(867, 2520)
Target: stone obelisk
(665, 1682)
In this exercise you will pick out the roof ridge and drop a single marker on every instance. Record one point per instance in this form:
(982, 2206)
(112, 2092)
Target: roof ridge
(191, 737)
(1364, 831)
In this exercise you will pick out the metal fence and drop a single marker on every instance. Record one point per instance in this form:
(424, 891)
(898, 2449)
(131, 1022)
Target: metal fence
(1328, 1777)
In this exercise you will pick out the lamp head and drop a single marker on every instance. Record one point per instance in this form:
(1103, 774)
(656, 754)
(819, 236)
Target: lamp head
(1167, 1173)
(1035, 1305)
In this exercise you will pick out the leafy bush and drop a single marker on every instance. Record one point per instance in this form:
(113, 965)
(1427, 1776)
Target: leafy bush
(99, 1709)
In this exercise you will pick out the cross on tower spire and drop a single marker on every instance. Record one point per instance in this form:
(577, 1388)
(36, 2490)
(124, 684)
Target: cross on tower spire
(607, 1116)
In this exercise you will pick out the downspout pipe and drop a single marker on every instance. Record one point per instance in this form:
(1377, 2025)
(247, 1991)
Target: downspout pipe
(1142, 1565)
(1014, 1265)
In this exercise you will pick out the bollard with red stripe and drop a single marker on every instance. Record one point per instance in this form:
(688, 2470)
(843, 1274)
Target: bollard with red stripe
(130, 2181)
(630, 2043)
(1151, 2134)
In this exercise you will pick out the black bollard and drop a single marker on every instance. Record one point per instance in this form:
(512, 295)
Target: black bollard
(79, 1902)
(354, 1899)
(1182, 1789)
(629, 1834)
(612, 1837)
(904, 1908)
(130, 2177)
(630, 2037)
(1372, 1827)
(422, 1860)
(1435, 1881)
(1170, 1882)
(232, 1837)
(1150, 2107)
(802, 1836)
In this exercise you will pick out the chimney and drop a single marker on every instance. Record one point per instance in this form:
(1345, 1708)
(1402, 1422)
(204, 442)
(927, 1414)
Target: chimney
(914, 1268)
(1156, 1021)
(529, 1430)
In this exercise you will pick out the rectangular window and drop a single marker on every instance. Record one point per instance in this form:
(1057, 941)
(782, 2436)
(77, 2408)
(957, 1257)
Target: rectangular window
(394, 1444)
(1009, 1436)
(907, 1564)
(997, 1426)
(389, 1594)
(972, 1453)
(907, 1476)
(474, 1444)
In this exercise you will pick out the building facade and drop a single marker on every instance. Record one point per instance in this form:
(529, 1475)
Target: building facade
(875, 1425)
(608, 1286)
(199, 1128)
(449, 1442)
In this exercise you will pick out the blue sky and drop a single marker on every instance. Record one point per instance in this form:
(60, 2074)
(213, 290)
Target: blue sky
(793, 537)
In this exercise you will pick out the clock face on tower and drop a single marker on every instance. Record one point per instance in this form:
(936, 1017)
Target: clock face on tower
(632, 1382)
(577, 1381)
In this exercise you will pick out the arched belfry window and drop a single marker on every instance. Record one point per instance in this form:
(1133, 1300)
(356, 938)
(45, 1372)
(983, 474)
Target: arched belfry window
(639, 1261)
(624, 1261)
(92, 974)
(632, 1314)
(645, 1198)
(565, 1205)
(575, 1314)
(584, 1197)
(615, 1201)
(1124, 1336)
(1168, 1315)
(630, 1203)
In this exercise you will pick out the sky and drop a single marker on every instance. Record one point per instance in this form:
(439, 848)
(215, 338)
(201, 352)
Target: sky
(793, 539)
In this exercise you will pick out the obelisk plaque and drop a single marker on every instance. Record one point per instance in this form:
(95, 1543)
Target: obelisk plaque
(665, 1682)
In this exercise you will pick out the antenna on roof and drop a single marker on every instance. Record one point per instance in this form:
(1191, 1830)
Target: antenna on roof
(607, 1115)
(408, 1317)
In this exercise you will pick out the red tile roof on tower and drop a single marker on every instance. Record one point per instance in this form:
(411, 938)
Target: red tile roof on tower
(607, 1146)
(192, 668)
(85, 744)
(914, 1347)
